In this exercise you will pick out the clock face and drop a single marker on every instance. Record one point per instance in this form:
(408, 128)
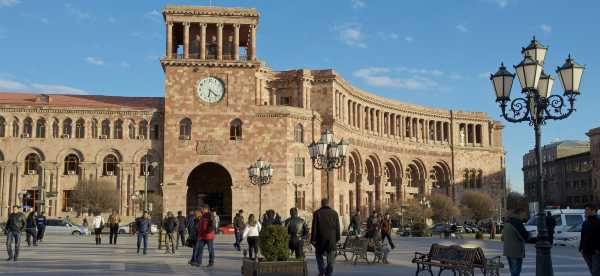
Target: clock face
(210, 89)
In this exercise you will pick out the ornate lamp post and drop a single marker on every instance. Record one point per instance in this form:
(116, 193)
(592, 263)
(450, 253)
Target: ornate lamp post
(328, 155)
(536, 106)
(260, 174)
(147, 166)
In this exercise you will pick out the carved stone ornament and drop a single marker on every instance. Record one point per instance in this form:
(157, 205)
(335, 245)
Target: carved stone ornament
(207, 147)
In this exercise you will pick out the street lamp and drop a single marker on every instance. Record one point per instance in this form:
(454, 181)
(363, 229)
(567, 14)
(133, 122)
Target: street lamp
(260, 174)
(537, 106)
(328, 155)
(147, 166)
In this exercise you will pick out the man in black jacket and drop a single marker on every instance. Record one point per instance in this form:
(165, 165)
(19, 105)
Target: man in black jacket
(14, 226)
(324, 237)
(238, 226)
(31, 229)
(550, 225)
(297, 231)
(589, 245)
(170, 226)
(142, 226)
(41, 223)
(181, 223)
(355, 223)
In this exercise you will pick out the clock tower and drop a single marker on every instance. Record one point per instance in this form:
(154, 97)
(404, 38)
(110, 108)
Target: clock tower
(213, 85)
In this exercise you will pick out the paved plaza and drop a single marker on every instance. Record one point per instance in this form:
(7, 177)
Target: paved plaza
(67, 255)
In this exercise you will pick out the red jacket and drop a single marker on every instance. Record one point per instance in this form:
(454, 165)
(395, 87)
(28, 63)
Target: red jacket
(202, 231)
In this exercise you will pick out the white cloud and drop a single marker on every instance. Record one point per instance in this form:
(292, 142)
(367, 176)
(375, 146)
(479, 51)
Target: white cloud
(420, 71)
(357, 4)
(154, 15)
(94, 60)
(10, 85)
(8, 3)
(409, 39)
(381, 77)
(77, 13)
(57, 88)
(462, 28)
(546, 28)
(351, 35)
(484, 75)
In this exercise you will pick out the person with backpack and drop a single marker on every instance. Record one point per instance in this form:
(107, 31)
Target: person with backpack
(205, 233)
(181, 225)
(41, 223)
(170, 226)
(31, 228)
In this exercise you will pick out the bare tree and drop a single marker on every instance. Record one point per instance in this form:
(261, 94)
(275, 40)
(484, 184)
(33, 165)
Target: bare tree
(477, 205)
(516, 200)
(95, 196)
(415, 212)
(443, 208)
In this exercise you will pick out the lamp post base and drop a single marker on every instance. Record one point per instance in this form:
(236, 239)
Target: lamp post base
(543, 259)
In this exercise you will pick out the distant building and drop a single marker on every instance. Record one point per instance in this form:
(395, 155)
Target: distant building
(567, 174)
(594, 135)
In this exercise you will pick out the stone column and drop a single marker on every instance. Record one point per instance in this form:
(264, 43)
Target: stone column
(236, 42)
(186, 40)
(253, 42)
(169, 39)
(220, 41)
(203, 41)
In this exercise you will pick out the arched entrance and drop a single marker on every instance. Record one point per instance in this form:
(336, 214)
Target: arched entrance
(209, 184)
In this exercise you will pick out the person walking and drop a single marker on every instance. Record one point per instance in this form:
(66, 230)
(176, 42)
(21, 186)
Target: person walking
(492, 230)
(181, 225)
(142, 226)
(190, 224)
(31, 228)
(205, 234)
(325, 234)
(251, 234)
(238, 227)
(98, 224)
(589, 244)
(372, 225)
(355, 224)
(41, 222)
(386, 229)
(515, 236)
(216, 220)
(113, 224)
(15, 224)
(170, 226)
(297, 230)
(550, 225)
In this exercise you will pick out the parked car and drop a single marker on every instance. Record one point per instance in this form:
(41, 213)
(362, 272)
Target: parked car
(439, 229)
(129, 228)
(62, 226)
(564, 218)
(568, 237)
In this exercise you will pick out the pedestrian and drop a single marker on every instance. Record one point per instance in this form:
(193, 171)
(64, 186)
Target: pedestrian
(98, 224)
(386, 229)
(325, 234)
(85, 223)
(113, 224)
(190, 224)
(15, 224)
(251, 234)
(170, 226)
(31, 228)
(205, 234)
(216, 220)
(142, 226)
(181, 225)
(41, 223)
(297, 231)
(238, 227)
(550, 225)
(515, 236)
(372, 225)
(492, 230)
(589, 244)
(355, 224)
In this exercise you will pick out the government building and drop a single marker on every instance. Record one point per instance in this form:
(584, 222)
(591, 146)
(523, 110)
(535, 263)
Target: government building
(224, 108)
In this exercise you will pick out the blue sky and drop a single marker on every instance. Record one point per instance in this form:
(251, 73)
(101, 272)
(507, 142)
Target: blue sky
(434, 53)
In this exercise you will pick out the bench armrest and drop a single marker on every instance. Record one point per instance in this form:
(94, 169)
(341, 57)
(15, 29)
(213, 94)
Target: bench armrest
(422, 257)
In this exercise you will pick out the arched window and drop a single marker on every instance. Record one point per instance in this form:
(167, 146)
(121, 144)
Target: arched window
(67, 128)
(299, 133)
(40, 128)
(71, 164)
(109, 165)
(15, 127)
(185, 129)
(235, 129)
(105, 132)
(118, 129)
(154, 129)
(146, 167)
(94, 128)
(132, 131)
(80, 129)
(2, 127)
(55, 129)
(27, 128)
(32, 164)
(143, 129)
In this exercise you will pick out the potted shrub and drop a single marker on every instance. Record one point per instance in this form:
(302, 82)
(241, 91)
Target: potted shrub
(274, 248)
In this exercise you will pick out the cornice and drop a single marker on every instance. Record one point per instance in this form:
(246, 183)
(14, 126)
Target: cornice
(214, 11)
(78, 111)
(210, 63)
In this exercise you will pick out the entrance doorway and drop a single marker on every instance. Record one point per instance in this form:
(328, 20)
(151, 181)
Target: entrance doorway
(209, 184)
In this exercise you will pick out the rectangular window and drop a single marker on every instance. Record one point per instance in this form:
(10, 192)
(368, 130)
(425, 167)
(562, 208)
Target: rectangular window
(299, 167)
(573, 219)
(67, 202)
(285, 100)
(300, 200)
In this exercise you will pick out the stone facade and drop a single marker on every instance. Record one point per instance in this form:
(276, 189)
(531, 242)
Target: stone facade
(594, 135)
(397, 150)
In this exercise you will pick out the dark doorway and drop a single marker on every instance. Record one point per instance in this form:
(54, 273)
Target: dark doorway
(209, 184)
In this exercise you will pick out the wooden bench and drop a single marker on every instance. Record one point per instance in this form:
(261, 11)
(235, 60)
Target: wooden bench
(460, 260)
(371, 251)
(346, 247)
